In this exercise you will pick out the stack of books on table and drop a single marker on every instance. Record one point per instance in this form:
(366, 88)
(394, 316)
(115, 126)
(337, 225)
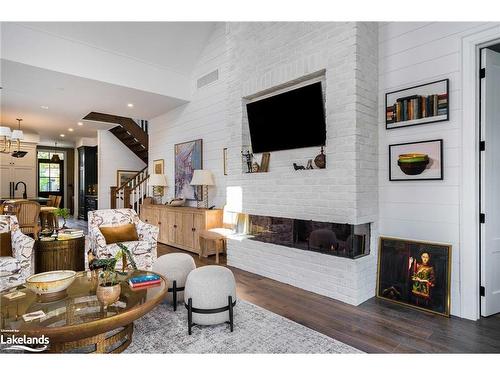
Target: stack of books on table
(68, 234)
(144, 281)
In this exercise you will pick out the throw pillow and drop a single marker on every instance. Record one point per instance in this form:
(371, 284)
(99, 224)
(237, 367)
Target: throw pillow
(121, 233)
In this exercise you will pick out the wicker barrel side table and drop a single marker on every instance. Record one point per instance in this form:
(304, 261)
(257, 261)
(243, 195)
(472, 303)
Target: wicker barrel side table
(60, 255)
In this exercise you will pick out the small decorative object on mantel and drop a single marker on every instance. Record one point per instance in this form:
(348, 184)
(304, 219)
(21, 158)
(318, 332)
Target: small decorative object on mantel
(309, 164)
(320, 160)
(247, 160)
(255, 167)
(417, 105)
(422, 279)
(298, 167)
(264, 163)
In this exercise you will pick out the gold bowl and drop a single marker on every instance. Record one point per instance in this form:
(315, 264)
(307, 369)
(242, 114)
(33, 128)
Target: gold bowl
(50, 282)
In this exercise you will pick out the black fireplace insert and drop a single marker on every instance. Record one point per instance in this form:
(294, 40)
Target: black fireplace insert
(344, 240)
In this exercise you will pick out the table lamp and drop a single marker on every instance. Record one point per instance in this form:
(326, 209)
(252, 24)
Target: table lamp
(204, 178)
(158, 182)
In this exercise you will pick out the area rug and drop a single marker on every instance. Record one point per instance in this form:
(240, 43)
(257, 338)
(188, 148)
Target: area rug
(256, 330)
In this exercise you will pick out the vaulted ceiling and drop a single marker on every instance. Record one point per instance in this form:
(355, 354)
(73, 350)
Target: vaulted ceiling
(45, 88)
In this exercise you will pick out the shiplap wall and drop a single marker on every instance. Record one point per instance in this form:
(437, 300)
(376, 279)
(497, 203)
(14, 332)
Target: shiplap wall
(409, 54)
(203, 117)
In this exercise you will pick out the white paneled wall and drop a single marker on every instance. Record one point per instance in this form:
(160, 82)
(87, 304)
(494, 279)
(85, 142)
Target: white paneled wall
(112, 155)
(411, 54)
(203, 117)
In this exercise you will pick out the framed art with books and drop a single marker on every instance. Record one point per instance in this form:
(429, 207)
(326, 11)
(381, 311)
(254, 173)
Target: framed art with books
(416, 161)
(417, 105)
(415, 274)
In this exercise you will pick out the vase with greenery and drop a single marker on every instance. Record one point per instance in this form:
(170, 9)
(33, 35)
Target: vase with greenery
(109, 288)
(64, 213)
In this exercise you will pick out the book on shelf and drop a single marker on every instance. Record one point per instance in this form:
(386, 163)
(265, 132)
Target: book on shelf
(417, 107)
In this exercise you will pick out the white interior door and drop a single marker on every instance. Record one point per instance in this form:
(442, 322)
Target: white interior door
(490, 244)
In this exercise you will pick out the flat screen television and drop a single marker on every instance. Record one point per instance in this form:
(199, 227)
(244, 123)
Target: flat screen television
(293, 119)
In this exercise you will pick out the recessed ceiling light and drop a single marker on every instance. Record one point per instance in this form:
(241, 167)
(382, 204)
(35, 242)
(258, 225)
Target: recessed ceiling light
(70, 129)
(62, 135)
(44, 107)
(130, 105)
(80, 123)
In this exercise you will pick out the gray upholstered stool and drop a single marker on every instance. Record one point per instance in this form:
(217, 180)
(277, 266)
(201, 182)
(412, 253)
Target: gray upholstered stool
(176, 268)
(209, 296)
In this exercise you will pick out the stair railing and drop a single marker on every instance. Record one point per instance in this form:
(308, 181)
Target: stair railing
(132, 193)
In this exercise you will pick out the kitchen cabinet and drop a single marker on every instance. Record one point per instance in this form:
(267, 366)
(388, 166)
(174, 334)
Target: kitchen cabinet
(87, 180)
(19, 169)
(180, 226)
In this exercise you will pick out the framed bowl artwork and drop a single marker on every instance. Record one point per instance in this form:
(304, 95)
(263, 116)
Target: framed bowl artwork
(416, 161)
(417, 105)
(415, 274)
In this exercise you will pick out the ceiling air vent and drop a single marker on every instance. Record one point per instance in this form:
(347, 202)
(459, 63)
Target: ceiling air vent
(208, 78)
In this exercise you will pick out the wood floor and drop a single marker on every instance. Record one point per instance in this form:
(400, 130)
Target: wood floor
(375, 326)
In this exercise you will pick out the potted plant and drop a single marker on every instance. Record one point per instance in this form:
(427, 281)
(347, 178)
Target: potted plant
(64, 213)
(109, 288)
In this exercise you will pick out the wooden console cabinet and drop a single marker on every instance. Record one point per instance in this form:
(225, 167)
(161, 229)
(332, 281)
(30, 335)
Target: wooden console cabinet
(180, 226)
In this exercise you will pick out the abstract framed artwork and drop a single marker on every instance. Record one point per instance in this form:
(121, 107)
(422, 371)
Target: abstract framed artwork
(123, 176)
(416, 161)
(188, 157)
(158, 166)
(415, 274)
(417, 105)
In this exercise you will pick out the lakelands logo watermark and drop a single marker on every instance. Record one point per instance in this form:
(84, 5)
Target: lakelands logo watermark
(23, 342)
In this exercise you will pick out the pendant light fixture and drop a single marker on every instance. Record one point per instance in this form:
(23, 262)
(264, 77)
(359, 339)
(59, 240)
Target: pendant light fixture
(8, 136)
(55, 157)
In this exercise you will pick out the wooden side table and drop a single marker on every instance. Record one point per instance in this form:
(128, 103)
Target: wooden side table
(211, 242)
(60, 255)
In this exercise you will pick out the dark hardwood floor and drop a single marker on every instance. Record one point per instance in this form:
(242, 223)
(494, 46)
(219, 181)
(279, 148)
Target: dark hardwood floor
(375, 326)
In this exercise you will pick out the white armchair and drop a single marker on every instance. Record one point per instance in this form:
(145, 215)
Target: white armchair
(16, 269)
(143, 251)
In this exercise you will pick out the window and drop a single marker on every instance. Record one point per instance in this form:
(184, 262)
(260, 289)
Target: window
(49, 177)
(48, 154)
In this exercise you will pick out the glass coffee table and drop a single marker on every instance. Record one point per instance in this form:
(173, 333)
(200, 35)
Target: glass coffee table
(77, 322)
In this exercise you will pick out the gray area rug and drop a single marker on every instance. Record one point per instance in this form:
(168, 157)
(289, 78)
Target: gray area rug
(256, 330)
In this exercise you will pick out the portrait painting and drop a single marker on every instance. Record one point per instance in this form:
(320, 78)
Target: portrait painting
(188, 157)
(415, 274)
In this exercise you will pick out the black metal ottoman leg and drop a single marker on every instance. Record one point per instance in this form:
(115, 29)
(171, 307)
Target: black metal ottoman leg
(174, 294)
(190, 315)
(230, 299)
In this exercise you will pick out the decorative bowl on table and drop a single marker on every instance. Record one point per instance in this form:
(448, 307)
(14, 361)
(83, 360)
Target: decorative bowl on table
(50, 282)
(413, 164)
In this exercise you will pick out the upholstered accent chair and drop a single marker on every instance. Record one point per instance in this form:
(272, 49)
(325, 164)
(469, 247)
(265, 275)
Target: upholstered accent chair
(15, 269)
(143, 250)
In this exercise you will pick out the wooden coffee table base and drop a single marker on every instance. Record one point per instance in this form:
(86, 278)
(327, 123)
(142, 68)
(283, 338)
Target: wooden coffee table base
(102, 343)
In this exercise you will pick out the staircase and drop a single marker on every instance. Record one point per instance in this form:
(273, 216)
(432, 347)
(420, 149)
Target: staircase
(132, 193)
(132, 134)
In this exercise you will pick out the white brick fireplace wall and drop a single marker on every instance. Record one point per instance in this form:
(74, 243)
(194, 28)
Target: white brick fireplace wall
(263, 56)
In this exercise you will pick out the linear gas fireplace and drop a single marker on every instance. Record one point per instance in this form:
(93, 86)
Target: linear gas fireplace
(344, 240)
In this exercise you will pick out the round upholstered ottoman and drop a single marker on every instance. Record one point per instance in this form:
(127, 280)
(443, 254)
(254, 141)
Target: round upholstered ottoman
(176, 268)
(209, 296)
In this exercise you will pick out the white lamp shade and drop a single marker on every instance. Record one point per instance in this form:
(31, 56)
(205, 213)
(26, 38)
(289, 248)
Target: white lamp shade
(5, 132)
(158, 180)
(202, 177)
(17, 134)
